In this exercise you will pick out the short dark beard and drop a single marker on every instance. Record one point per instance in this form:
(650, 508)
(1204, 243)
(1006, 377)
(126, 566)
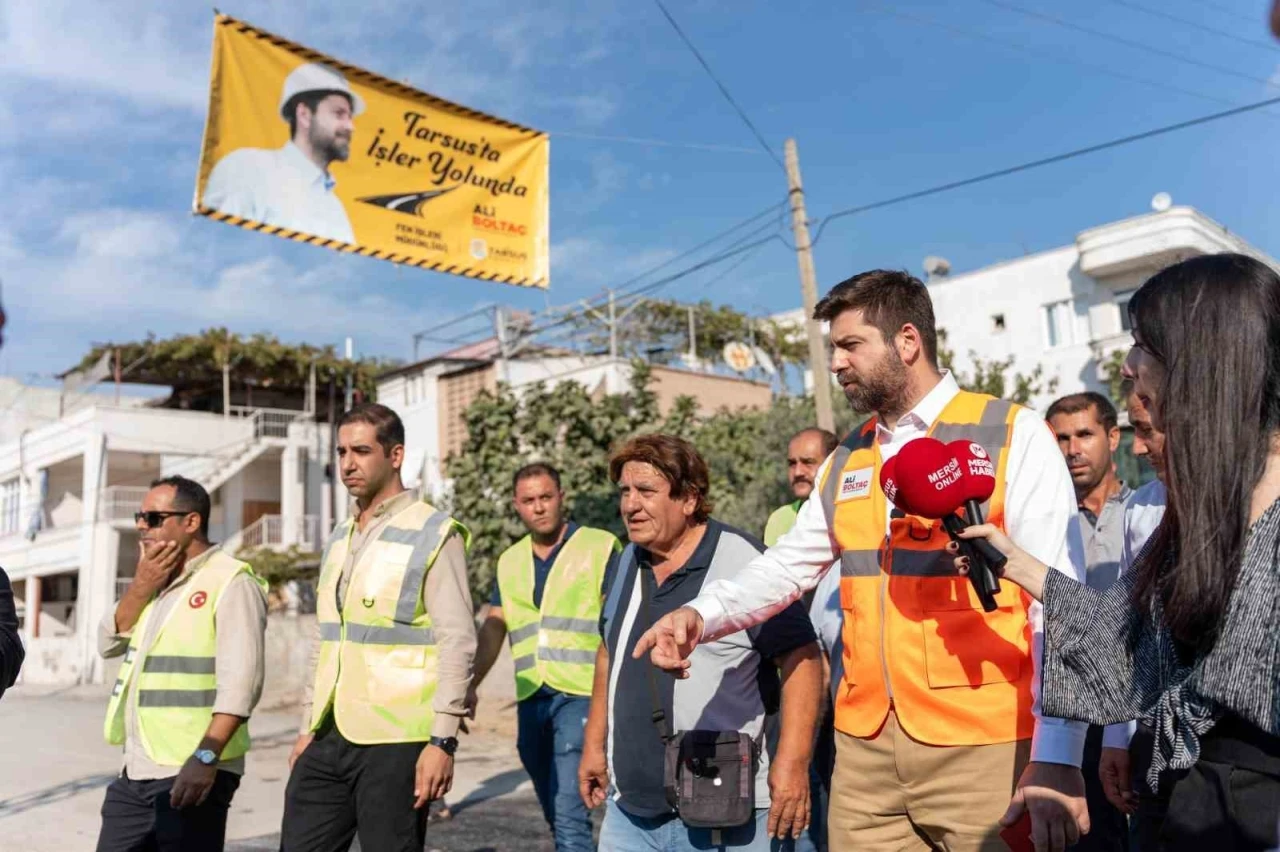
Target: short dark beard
(333, 148)
(883, 390)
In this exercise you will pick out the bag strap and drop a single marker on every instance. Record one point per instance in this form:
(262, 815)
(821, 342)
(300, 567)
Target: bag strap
(646, 596)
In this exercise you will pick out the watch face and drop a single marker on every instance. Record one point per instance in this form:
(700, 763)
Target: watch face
(207, 757)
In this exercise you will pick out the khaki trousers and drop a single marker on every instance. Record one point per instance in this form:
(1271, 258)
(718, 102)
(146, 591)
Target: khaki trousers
(892, 793)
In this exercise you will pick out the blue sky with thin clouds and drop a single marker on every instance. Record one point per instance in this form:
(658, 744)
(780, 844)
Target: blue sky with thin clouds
(101, 111)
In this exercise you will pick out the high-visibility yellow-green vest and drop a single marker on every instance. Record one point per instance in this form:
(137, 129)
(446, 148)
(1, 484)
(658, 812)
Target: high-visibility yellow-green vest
(781, 522)
(377, 667)
(556, 643)
(176, 678)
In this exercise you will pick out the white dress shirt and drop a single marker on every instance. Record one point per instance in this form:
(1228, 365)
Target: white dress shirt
(1040, 502)
(1142, 515)
(278, 186)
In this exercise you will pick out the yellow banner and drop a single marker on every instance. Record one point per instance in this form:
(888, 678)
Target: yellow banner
(306, 147)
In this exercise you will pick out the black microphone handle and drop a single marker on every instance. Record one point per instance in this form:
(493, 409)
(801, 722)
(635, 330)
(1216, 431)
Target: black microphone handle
(980, 573)
(996, 559)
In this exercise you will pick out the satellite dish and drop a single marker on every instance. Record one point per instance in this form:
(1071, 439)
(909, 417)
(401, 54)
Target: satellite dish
(739, 356)
(765, 362)
(937, 267)
(1161, 202)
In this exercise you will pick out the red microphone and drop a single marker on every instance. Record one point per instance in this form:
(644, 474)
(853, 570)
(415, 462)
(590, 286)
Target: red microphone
(979, 476)
(934, 483)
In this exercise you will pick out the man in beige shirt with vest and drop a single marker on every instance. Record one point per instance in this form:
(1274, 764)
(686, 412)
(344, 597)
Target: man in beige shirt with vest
(190, 628)
(391, 658)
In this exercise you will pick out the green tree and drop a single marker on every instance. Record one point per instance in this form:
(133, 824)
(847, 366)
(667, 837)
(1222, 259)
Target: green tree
(1111, 366)
(745, 452)
(991, 376)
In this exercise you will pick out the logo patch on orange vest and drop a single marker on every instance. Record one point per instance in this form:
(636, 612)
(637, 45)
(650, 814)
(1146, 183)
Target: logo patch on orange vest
(855, 484)
(198, 600)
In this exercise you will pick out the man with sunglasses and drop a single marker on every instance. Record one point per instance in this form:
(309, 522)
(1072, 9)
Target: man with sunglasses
(191, 628)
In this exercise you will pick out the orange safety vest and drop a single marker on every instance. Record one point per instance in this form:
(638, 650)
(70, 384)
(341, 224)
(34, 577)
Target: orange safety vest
(913, 626)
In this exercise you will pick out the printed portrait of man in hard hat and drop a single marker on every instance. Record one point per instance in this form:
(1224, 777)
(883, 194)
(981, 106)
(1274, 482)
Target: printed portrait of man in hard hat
(291, 187)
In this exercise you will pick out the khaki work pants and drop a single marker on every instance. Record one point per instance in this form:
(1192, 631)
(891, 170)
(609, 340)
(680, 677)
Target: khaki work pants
(892, 793)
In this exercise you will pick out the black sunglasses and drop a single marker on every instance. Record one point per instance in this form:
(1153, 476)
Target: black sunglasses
(155, 519)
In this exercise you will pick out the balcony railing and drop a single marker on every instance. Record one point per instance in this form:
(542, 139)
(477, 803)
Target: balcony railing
(119, 502)
(268, 422)
(274, 531)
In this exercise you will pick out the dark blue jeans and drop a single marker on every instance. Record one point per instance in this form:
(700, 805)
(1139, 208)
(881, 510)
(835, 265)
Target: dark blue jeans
(550, 746)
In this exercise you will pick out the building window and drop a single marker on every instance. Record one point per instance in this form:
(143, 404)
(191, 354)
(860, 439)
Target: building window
(10, 510)
(1059, 323)
(997, 322)
(1122, 302)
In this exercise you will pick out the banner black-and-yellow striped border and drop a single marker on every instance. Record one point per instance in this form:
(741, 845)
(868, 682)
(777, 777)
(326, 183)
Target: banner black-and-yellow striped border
(369, 78)
(365, 251)
(353, 72)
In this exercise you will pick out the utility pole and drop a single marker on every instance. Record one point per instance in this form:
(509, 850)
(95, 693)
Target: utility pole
(809, 292)
(349, 351)
(693, 340)
(613, 328)
(226, 378)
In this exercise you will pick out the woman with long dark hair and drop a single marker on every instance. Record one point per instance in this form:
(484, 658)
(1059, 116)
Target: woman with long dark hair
(1188, 641)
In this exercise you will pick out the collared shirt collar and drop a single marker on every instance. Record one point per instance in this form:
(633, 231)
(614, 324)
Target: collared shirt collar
(699, 560)
(389, 506)
(294, 157)
(193, 565)
(1120, 496)
(926, 411)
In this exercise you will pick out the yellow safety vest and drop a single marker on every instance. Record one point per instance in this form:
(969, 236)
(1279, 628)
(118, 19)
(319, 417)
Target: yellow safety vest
(176, 678)
(781, 522)
(377, 667)
(555, 644)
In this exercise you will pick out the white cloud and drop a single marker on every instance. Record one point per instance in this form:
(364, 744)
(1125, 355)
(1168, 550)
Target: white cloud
(121, 234)
(592, 261)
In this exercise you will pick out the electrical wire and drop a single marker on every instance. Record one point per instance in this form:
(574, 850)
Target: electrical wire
(1137, 45)
(1045, 161)
(1227, 9)
(1040, 53)
(724, 91)
(1160, 13)
(700, 246)
(695, 146)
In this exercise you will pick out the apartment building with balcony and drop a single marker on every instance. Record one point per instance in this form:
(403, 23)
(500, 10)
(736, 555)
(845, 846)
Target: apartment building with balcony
(1065, 309)
(69, 490)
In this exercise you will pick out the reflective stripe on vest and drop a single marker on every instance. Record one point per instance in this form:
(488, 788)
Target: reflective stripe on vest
(176, 679)
(377, 667)
(555, 644)
(912, 625)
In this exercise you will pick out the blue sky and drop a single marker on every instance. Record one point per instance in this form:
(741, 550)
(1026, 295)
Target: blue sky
(101, 111)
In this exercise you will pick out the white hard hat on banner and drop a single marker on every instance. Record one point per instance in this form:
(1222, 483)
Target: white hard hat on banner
(313, 77)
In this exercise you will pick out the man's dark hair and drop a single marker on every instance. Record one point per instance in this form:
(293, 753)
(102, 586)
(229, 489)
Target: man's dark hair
(679, 463)
(829, 439)
(312, 99)
(529, 471)
(888, 300)
(1074, 403)
(188, 496)
(386, 423)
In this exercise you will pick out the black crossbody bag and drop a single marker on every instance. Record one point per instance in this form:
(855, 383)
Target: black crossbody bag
(708, 776)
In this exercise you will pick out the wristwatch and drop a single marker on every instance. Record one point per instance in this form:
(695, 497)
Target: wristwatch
(448, 745)
(206, 756)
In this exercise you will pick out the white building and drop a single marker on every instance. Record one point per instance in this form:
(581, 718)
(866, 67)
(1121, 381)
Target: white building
(1065, 309)
(69, 490)
(431, 396)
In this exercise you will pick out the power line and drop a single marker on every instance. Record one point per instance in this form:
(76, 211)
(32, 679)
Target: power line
(1227, 9)
(728, 97)
(700, 246)
(1137, 45)
(1160, 13)
(663, 143)
(1039, 52)
(1057, 158)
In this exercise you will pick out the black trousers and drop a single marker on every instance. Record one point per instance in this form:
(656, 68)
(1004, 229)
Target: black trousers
(339, 789)
(136, 817)
(1109, 828)
(1229, 801)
